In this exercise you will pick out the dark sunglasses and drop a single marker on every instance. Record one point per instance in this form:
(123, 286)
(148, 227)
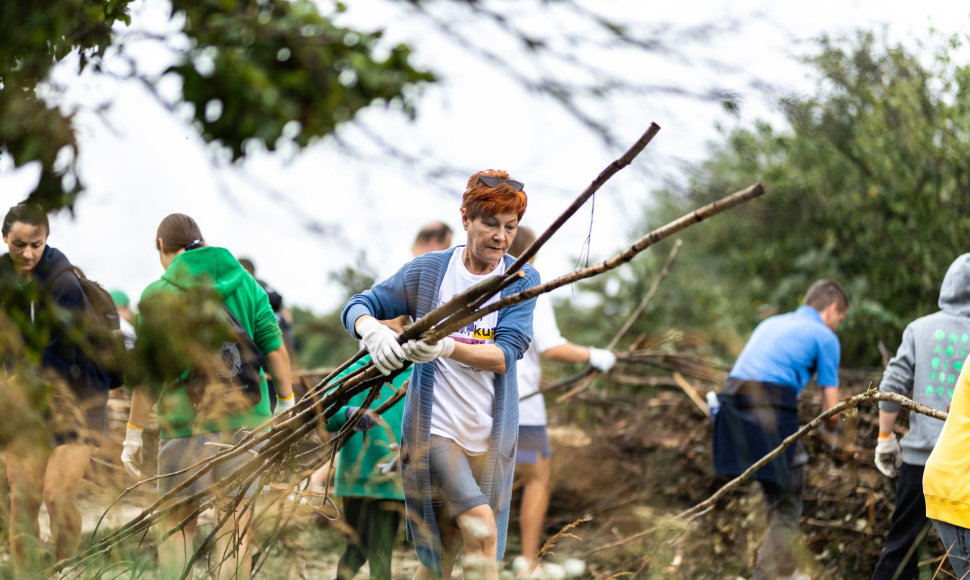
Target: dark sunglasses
(495, 181)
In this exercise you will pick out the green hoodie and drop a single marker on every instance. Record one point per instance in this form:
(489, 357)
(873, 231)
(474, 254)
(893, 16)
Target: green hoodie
(362, 455)
(216, 268)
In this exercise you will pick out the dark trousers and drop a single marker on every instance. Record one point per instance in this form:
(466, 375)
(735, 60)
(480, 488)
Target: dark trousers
(375, 523)
(783, 509)
(907, 529)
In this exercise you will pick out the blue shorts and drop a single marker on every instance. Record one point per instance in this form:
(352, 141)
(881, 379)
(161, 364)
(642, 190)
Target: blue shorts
(454, 477)
(533, 443)
(180, 453)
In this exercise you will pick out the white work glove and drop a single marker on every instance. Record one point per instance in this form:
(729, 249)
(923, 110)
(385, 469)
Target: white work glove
(888, 456)
(601, 359)
(131, 451)
(381, 342)
(421, 352)
(284, 405)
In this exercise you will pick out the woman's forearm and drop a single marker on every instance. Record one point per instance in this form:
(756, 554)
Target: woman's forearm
(486, 357)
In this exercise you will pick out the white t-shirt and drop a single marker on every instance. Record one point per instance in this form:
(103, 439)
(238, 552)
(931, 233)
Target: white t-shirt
(463, 396)
(545, 335)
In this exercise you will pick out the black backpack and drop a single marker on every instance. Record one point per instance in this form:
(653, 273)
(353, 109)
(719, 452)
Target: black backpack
(106, 345)
(234, 369)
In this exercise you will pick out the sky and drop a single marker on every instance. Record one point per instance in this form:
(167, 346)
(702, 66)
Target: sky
(141, 162)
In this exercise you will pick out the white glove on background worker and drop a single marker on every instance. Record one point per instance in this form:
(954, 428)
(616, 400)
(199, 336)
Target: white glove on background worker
(284, 405)
(131, 450)
(888, 455)
(421, 352)
(381, 342)
(601, 359)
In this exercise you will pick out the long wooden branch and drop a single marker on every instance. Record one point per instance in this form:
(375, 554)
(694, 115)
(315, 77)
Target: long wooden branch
(850, 403)
(460, 306)
(593, 373)
(588, 370)
(844, 405)
(293, 423)
(611, 170)
(623, 257)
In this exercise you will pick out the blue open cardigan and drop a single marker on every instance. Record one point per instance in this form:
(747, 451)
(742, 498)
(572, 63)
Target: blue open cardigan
(413, 290)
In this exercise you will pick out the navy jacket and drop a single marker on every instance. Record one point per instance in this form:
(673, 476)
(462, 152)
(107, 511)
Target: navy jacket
(50, 312)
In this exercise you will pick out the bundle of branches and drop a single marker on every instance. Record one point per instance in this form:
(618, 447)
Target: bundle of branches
(271, 445)
(686, 364)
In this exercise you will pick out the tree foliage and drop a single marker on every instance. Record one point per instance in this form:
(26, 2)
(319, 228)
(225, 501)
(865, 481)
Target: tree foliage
(868, 184)
(262, 72)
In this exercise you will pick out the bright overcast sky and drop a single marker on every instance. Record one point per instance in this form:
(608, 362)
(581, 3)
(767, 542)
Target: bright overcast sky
(140, 163)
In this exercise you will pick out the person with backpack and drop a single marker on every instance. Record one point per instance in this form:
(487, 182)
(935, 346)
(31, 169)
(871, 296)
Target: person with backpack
(461, 412)
(183, 320)
(50, 437)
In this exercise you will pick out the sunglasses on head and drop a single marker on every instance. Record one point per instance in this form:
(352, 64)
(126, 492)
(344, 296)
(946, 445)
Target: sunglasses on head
(495, 181)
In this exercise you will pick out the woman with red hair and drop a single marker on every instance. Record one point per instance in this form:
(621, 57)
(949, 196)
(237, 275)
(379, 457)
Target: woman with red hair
(461, 413)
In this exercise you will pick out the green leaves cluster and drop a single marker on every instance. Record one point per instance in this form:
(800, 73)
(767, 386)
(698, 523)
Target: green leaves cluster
(868, 184)
(261, 71)
(33, 38)
(275, 68)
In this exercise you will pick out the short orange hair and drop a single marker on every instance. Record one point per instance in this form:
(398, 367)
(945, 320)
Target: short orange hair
(480, 200)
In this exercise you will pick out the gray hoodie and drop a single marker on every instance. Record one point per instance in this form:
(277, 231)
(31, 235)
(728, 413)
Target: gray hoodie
(929, 360)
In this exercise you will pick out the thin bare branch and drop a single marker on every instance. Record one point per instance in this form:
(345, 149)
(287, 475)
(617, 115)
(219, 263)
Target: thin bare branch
(593, 373)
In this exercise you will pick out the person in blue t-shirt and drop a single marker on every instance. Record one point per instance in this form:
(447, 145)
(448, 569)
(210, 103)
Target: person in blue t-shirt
(759, 409)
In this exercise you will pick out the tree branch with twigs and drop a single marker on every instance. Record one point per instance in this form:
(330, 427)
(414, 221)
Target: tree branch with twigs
(699, 509)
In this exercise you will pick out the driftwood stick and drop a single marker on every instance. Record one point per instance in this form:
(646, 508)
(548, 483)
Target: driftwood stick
(591, 376)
